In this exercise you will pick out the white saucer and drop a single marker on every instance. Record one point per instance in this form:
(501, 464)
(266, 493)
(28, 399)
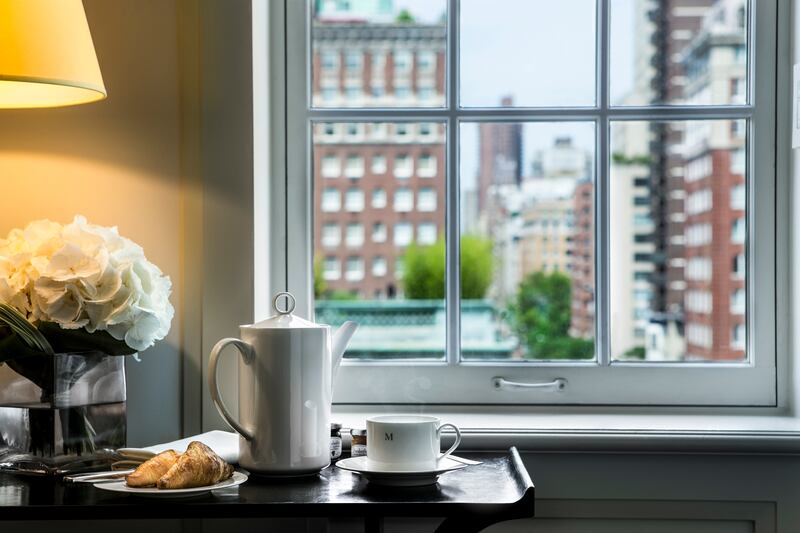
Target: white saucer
(151, 492)
(393, 477)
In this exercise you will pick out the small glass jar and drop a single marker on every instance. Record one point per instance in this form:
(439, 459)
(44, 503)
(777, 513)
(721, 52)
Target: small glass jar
(336, 441)
(358, 446)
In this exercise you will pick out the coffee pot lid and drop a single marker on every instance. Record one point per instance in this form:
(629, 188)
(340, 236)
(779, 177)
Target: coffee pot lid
(284, 318)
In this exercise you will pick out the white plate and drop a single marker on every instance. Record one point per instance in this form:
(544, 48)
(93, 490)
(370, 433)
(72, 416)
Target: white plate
(397, 478)
(151, 492)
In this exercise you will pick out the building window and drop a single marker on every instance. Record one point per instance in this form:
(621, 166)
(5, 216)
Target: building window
(354, 200)
(354, 237)
(739, 337)
(379, 164)
(354, 168)
(331, 166)
(738, 199)
(331, 235)
(427, 166)
(402, 61)
(331, 200)
(352, 61)
(379, 267)
(403, 200)
(426, 61)
(426, 199)
(426, 233)
(378, 232)
(378, 64)
(403, 233)
(354, 269)
(738, 231)
(403, 166)
(738, 266)
(331, 269)
(738, 302)
(329, 60)
(378, 198)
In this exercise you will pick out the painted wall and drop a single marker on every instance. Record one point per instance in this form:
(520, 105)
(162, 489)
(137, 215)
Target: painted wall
(118, 163)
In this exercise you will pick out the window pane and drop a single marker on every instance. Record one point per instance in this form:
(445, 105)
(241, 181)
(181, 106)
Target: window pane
(379, 54)
(527, 241)
(663, 53)
(540, 53)
(677, 241)
(378, 236)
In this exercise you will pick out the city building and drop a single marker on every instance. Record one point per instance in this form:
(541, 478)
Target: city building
(714, 177)
(583, 254)
(379, 187)
(500, 155)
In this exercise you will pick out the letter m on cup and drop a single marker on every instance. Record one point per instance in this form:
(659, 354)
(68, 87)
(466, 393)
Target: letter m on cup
(388, 436)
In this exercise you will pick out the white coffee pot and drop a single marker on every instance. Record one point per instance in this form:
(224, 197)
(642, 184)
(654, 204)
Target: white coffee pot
(286, 374)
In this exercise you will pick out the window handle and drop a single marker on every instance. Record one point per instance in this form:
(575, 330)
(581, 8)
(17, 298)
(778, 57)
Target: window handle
(557, 385)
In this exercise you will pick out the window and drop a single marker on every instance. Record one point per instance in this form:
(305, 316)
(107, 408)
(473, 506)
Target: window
(379, 268)
(539, 168)
(329, 60)
(379, 164)
(403, 166)
(331, 201)
(378, 232)
(354, 237)
(352, 61)
(354, 269)
(331, 269)
(378, 198)
(331, 235)
(403, 233)
(354, 200)
(403, 200)
(426, 61)
(354, 168)
(426, 199)
(426, 233)
(427, 166)
(331, 166)
(402, 61)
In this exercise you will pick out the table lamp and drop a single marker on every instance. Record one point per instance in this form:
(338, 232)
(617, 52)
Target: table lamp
(47, 57)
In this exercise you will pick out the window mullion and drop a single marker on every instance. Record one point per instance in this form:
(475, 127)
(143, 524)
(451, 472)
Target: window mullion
(601, 238)
(452, 227)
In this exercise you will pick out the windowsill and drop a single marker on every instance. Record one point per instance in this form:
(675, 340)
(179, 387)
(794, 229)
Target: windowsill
(590, 432)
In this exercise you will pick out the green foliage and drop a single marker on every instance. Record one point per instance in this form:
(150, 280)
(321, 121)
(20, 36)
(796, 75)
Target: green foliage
(622, 159)
(320, 285)
(424, 269)
(340, 295)
(405, 17)
(541, 314)
(637, 352)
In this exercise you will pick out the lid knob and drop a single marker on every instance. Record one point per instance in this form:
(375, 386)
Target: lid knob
(290, 303)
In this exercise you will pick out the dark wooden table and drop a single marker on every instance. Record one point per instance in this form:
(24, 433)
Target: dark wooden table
(469, 500)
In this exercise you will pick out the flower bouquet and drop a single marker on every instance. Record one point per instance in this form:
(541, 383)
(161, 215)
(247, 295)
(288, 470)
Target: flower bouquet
(74, 298)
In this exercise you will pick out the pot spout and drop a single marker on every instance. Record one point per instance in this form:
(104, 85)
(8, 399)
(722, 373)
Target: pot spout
(340, 340)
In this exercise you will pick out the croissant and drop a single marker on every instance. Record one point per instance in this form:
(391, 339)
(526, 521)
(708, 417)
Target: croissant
(149, 472)
(197, 467)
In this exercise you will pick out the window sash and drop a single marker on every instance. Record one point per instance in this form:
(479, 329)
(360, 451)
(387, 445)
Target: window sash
(752, 383)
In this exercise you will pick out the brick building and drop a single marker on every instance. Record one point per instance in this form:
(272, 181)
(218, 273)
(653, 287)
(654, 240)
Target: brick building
(378, 187)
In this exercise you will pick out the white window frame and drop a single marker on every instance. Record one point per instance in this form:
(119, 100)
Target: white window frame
(602, 382)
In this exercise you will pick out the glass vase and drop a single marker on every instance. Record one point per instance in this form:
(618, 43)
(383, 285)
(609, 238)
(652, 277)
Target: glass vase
(63, 413)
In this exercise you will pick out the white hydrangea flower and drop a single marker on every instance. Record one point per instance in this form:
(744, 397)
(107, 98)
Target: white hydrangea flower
(84, 276)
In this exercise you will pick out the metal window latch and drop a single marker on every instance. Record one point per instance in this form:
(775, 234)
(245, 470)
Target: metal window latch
(557, 385)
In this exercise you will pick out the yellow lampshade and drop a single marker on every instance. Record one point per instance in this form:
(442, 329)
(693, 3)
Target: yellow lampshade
(47, 57)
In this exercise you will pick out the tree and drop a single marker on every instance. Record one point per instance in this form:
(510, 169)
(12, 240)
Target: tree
(541, 314)
(405, 17)
(424, 269)
(320, 285)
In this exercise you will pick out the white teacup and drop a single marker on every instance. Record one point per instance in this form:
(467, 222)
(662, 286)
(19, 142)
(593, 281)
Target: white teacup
(406, 442)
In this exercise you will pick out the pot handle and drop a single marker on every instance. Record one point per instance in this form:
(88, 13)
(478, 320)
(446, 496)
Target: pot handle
(247, 354)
